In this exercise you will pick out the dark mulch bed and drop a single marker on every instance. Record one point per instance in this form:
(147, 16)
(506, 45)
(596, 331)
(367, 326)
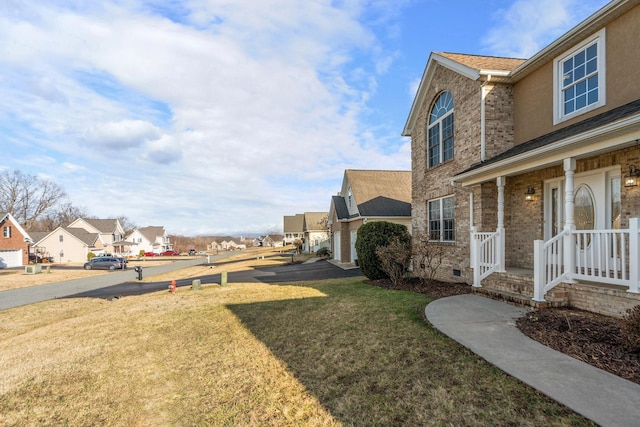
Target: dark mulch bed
(435, 289)
(592, 338)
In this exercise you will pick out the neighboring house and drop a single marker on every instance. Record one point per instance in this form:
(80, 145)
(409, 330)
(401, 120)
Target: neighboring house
(67, 244)
(110, 231)
(530, 167)
(214, 246)
(232, 245)
(14, 242)
(225, 244)
(269, 240)
(293, 228)
(316, 232)
(150, 239)
(367, 195)
(310, 228)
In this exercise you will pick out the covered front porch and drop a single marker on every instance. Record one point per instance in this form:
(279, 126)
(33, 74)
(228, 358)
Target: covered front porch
(581, 260)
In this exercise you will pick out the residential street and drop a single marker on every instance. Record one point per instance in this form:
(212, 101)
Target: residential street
(124, 283)
(29, 295)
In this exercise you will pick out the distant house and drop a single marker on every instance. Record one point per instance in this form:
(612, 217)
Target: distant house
(293, 228)
(316, 233)
(367, 195)
(14, 242)
(150, 239)
(230, 245)
(310, 228)
(110, 231)
(225, 244)
(269, 240)
(65, 244)
(214, 246)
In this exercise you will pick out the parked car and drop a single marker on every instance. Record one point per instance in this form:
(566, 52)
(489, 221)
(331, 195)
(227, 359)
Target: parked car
(150, 254)
(170, 253)
(202, 253)
(192, 251)
(104, 263)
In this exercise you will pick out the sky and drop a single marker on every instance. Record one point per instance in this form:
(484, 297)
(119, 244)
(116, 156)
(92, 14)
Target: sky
(219, 117)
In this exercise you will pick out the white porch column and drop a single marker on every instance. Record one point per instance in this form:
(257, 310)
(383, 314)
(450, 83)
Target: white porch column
(634, 255)
(500, 250)
(569, 225)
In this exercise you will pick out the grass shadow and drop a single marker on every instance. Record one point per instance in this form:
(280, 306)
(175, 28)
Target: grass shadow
(369, 357)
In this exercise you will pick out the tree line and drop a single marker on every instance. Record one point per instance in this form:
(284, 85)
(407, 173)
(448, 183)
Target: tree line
(40, 204)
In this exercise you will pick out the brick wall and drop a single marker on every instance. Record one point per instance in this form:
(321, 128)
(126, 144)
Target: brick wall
(607, 300)
(16, 241)
(434, 183)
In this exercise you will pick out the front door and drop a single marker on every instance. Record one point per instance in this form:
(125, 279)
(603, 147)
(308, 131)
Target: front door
(596, 207)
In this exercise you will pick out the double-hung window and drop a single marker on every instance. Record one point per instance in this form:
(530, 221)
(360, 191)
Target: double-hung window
(440, 130)
(6, 231)
(579, 79)
(442, 219)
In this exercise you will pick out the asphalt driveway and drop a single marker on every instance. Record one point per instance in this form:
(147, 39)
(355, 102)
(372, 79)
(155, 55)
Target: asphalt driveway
(289, 273)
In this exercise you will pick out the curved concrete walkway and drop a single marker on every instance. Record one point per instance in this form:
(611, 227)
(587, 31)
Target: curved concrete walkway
(487, 327)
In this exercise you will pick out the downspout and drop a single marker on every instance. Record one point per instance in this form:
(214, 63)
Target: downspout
(483, 96)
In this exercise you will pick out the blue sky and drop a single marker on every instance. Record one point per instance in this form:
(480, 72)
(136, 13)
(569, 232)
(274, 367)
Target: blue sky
(221, 116)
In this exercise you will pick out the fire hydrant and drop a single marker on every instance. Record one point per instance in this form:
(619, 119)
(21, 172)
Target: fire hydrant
(172, 287)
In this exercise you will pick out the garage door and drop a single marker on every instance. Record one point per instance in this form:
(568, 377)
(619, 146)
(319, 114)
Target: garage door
(10, 258)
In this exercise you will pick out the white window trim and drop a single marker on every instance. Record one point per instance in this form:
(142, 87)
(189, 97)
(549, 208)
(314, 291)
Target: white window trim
(441, 199)
(558, 107)
(439, 122)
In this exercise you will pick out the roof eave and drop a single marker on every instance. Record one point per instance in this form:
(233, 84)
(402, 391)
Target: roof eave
(618, 135)
(425, 82)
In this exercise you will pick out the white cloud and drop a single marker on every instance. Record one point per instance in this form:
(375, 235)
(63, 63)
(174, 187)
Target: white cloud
(527, 26)
(214, 101)
(123, 134)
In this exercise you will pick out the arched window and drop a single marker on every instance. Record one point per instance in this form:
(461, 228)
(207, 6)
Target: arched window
(440, 130)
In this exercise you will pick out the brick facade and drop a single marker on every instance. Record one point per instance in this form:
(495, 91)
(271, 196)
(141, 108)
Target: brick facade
(435, 182)
(506, 128)
(16, 241)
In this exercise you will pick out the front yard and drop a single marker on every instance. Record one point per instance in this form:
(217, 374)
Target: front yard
(337, 352)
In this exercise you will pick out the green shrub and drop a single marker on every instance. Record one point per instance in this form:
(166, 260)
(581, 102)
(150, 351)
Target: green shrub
(371, 236)
(141, 253)
(631, 329)
(90, 256)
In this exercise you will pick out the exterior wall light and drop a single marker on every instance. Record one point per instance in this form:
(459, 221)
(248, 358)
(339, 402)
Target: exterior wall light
(528, 196)
(631, 180)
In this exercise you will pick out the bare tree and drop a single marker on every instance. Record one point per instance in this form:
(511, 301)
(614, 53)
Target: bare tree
(127, 225)
(28, 197)
(63, 215)
(427, 255)
(395, 259)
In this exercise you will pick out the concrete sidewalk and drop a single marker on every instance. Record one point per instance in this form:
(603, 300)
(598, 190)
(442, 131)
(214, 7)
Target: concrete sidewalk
(487, 327)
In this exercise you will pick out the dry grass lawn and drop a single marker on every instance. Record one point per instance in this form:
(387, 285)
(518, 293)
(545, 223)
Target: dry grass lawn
(328, 353)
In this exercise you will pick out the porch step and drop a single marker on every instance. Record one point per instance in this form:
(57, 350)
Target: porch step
(517, 289)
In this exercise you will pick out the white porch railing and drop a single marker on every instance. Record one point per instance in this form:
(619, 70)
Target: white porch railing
(548, 265)
(485, 256)
(604, 256)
